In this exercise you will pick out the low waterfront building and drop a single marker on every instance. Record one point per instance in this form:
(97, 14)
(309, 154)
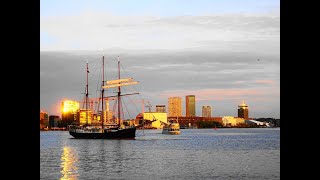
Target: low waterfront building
(157, 118)
(192, 121)
(232, 121)
(44, 119)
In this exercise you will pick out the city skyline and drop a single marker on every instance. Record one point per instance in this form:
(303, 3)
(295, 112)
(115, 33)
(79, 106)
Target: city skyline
(221, 52)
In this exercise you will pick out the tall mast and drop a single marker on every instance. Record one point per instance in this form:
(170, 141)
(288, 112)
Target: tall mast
(102, 115)
(87, 93)
(118, 83)
(119, 91)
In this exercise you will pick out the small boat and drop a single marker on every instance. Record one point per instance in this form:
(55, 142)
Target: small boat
(172, 128)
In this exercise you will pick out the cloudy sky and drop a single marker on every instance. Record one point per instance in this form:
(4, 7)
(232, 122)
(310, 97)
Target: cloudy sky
(223, 52)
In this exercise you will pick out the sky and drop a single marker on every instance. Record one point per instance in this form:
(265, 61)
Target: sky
(223, 52)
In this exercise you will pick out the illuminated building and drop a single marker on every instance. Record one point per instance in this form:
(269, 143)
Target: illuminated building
(156, 118)
(190, 106)
(44, 119)
(174, 106)
(160, 108)
(70, 106)
(69, 111)
(84, 114)
(232, 121)
(206, 111)
(243, 111)
(108, 115)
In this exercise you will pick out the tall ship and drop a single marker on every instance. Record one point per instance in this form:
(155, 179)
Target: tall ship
(115, 130)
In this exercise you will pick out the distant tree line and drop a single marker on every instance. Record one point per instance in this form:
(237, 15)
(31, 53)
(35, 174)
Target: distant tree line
(209, 124)
(245, 125)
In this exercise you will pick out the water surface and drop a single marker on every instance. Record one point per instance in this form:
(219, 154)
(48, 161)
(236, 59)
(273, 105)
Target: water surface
(252, 153)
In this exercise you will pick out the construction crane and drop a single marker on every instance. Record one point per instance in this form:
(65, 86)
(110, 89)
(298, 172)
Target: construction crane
(149, 106)
(144, 103)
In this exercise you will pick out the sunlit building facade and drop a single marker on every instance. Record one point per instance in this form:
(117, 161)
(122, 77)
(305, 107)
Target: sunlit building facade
(232, 121)
(190, 106)
(157, 118)
(70, 111)
(44, 119)
(108, 117)
(86, 116)
(174, 106)
(206, 111)
(243, 111)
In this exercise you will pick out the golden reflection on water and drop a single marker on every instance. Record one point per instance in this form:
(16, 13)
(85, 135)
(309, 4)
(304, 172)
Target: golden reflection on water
(68, 164)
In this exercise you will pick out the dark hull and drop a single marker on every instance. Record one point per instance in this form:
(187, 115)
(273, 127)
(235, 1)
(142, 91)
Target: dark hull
(129, 133)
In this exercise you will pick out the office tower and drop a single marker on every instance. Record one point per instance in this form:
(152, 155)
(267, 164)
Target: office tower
(174, 107)
(243, 111)
(53, 121)
(206, 111)
(160, 108)
(69, 111)
(190, 106)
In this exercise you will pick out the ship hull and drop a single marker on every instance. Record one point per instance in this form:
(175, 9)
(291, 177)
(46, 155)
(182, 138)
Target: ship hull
(129, 133)
(171, 132)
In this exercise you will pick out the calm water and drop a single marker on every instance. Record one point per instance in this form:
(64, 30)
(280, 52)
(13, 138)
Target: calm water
(195, 154)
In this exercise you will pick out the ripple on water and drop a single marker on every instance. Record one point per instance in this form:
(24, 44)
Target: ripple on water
(194, 154)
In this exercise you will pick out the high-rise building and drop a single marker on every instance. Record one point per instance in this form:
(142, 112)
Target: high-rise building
(160, 108)
(174, 107)
(243, 111)
(70, 110)
(206, 111)
(190, 105)
(107, 115)
(53, 121)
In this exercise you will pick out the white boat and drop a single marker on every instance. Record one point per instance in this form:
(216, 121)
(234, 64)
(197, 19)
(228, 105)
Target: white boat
(172, 128)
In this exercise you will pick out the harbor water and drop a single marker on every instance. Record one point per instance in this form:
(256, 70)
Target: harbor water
(230, 153)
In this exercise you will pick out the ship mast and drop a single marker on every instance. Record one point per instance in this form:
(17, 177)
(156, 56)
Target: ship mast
(87, 93)
(102, 115)
(119, 92)
(117, 84)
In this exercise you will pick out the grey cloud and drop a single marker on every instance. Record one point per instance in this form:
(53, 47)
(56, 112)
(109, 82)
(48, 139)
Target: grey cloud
(184, 53)
(223, 22)
(62, 74)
